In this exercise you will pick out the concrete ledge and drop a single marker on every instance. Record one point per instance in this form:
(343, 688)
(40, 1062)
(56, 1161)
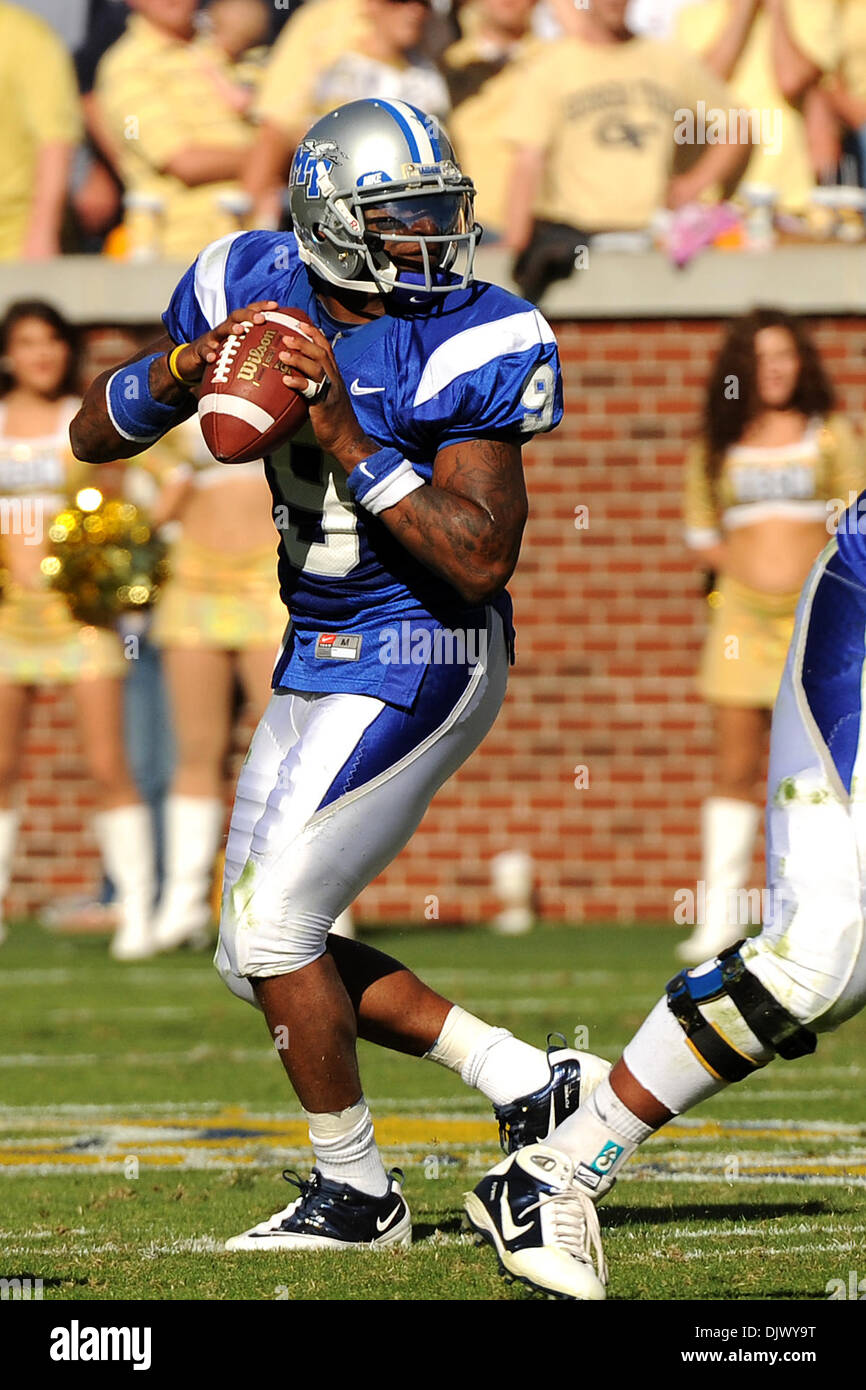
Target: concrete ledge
(803, 279)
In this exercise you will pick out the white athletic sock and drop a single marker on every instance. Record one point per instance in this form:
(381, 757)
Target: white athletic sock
(345, 1148)
(599, 1137)
(490, 1059)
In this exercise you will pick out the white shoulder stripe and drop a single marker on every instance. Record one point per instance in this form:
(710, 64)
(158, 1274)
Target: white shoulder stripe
(210, 279)
(475, 347)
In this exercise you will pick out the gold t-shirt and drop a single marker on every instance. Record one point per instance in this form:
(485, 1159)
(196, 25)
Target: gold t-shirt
(476, 123)
(159, 97)
(40, 105)
(605, 115)
(781, 156)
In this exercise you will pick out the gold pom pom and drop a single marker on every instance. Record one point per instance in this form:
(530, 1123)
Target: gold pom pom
(104, 558)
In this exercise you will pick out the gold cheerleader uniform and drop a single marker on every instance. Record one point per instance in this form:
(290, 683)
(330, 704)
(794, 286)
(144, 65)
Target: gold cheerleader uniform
(216, 599)
(40, 641)
(813, 479)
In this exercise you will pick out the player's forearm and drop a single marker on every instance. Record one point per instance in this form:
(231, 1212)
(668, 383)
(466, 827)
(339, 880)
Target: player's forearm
(471, 545)
(456, 539)
(92, 434)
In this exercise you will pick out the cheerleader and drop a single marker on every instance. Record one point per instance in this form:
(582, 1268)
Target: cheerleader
(773, 468)
(219, 620)
(40, 642)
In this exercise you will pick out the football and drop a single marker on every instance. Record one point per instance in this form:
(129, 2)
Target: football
(244, 408)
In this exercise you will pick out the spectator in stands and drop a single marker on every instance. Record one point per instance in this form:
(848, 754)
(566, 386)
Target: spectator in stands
(774, 463)
(178, 144)
(240, 28)
(39, 130)
(593, 124)
(385, 63)
(774, 54)
(219, 621)
(380, 58)
(315, 36)
(40, 642)
(96, 188)
(483, 82)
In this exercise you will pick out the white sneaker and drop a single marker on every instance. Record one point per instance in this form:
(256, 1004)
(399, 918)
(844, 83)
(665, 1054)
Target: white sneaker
(532, 1118)
(541, 1223)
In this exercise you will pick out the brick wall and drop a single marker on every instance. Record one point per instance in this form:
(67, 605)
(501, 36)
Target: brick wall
(609, 626)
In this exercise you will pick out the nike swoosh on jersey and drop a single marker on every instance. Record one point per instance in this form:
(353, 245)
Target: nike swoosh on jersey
(358, 390)
(509, 1229)
(389, 1219)
(365, 470)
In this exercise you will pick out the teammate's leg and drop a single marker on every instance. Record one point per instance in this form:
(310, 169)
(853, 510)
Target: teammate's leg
(771, 996)
(397, 1010)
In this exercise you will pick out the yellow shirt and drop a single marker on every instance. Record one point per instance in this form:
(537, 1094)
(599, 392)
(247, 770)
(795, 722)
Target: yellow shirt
(158, 97)
(605, 116)
(476, 124)
(792, 481)
(852, 62)
(319, 33)
(781, 157)
(40, 104)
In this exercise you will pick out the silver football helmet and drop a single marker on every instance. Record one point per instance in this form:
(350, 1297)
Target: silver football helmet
(373, 176)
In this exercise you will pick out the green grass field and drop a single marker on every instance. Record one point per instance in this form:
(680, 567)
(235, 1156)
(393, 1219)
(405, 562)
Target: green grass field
(143, 1119)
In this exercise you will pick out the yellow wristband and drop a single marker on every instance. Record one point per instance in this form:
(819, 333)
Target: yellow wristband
(172, 366)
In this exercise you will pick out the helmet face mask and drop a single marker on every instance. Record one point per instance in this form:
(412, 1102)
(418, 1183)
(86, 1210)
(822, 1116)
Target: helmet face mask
(370, 215)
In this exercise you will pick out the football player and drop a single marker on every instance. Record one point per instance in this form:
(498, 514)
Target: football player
(401, 509)
(767, 997)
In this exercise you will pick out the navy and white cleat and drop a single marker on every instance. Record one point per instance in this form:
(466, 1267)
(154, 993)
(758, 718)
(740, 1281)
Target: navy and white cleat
(541, 1223)
(333, 1216)
(531, 1119)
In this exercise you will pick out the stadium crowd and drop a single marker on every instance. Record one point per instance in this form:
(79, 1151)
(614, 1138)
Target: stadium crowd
(150, 127)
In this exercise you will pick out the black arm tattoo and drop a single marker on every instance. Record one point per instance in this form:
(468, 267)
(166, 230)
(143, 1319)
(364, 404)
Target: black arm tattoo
(467, 526)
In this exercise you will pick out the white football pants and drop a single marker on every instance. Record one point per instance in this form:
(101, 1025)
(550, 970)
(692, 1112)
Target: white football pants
(333, 787)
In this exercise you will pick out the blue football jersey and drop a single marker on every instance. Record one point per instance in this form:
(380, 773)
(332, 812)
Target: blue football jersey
(476, 363)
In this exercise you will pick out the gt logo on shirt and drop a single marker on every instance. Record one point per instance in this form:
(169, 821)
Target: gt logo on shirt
(604, 1161)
